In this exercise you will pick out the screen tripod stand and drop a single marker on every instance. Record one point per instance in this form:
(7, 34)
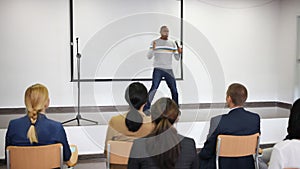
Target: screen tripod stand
(78, 116)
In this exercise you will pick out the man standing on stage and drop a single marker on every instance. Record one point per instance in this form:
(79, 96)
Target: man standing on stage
(163, 50)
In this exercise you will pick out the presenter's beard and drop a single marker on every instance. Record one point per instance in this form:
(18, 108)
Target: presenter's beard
(164, 37)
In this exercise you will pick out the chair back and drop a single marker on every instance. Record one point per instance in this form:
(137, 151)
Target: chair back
(118, 152)
(35, 157)
(237, 146)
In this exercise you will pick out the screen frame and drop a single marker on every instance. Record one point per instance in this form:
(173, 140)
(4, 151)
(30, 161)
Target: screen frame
(72, 44)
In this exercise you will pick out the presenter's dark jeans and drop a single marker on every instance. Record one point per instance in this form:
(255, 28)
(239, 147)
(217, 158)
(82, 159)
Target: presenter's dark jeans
(158, 75)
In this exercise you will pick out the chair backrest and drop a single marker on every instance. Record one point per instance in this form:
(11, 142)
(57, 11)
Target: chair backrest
(237, 146)
(118, 152)
(31, 157)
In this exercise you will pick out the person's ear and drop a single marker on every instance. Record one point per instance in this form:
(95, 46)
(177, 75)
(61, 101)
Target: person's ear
(228, 101)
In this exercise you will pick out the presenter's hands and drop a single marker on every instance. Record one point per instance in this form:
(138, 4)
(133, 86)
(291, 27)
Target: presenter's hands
(179, 50)
(154, 45)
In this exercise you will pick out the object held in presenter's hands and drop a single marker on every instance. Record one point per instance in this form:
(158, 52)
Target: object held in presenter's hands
(179, 49)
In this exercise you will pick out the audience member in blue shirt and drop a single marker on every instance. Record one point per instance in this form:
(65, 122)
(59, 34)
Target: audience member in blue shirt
(35, 128)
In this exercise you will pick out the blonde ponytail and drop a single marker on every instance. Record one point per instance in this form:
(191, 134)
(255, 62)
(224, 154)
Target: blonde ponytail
(36, 97)
(31, 133)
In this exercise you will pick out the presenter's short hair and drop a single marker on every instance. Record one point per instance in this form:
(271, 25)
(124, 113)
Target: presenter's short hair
(163, 27)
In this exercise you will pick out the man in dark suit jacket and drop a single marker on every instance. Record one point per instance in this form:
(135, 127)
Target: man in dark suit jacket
(237, 122)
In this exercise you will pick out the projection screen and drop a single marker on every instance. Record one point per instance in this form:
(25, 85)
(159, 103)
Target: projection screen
(114, 37)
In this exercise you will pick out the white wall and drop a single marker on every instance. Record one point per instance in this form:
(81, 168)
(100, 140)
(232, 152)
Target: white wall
(34, 48)
(287, 72)
(245, 39)
(253, 43)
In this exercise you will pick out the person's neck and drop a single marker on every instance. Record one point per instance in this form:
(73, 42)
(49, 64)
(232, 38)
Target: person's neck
(234, 107)
(43, 111)
(141, 112)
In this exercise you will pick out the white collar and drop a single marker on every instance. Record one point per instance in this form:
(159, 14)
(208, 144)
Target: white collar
(235, 108)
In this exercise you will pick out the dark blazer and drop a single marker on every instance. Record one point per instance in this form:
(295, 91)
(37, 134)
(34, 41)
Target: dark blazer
(237, 122)
(48, 132)
(186, 160)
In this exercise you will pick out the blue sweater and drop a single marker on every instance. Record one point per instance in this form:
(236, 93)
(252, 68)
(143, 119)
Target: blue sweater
(48, 132)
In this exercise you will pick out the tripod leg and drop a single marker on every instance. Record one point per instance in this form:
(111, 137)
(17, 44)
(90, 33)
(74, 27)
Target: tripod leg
(78, 122)
(69, 121)
(89, 120)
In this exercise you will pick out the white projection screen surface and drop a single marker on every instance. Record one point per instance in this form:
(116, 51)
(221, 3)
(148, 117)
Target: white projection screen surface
(114, 37)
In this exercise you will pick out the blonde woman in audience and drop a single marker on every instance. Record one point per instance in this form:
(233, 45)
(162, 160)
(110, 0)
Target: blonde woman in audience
(164, 148)
(286, 153)
(134, 123)
(35, 128)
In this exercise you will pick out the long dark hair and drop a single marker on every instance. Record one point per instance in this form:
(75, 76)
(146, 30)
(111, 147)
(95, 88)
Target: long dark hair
(163, 144)
(294, 121)
(136, 96)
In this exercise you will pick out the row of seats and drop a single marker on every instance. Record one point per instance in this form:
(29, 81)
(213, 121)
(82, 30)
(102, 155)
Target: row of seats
(164, 113)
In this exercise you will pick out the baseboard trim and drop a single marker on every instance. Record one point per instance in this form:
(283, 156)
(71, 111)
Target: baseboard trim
(122, 108)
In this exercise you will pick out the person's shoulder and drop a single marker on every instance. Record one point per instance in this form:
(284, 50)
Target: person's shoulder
(186, 140)
(244, 111)
(286, 144)
(189, 140)
(117, 119)
(156, 40)
(119, 116)
(51, 122)
(188, 144)
(252, 113)
(214, 121)
(17, 120)
(118, 122)
(217, 117)
(281, 144)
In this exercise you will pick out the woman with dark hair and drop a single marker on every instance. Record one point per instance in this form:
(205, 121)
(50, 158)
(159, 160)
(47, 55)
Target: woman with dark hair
(286, 153)
(133, 124)
(163, 148)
